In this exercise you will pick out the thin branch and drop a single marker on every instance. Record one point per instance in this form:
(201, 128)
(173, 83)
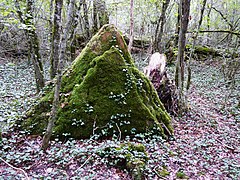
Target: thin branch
(225, 145)
(17, 169)
(120, 133)
(161, 177)
(218, 31)
(226, 20)
(166, 128)
(85, 162)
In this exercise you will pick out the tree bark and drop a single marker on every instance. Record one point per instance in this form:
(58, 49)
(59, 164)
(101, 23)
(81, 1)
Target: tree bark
(162, 21)
(193, 45)
(54, 55)
(100, 15)
(103, 14)
(177, 30)
(208, 21)
(95, 20)
(73, 31)
(50, 21)
(63, 43)
(86, 21)
(33, 42)
(179, 73)
(131, 25)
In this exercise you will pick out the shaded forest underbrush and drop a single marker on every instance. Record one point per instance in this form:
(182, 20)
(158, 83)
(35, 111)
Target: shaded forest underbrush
(206, 144)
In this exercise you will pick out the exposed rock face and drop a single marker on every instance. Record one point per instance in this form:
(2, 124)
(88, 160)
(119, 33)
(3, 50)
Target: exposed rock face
(102, 92)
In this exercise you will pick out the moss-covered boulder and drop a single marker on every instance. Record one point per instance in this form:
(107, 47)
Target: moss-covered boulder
(102, 92)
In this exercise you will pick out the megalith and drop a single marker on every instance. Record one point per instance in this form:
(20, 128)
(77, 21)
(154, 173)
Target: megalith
(102, 93)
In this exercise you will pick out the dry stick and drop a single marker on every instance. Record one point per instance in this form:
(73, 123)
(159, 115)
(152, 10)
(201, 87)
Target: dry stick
(94, 127)
(120, 133)
(166, 128)
(218, 31)
(84, 163)
(225, 145)
(18, 169)
(159, 174)
(224, 17)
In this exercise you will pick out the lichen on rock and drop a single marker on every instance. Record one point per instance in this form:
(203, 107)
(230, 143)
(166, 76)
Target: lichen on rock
(102, 92)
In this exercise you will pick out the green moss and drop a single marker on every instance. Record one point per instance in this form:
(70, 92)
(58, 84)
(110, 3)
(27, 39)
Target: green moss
(136, 160)
(203, 50)
(181, 175)
(111, 98)
(106, 38)
(136, 168)
(129, 156)
(164, 172)
(104, 92)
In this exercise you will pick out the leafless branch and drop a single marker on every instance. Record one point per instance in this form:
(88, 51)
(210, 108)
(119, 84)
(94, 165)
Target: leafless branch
(17, 169)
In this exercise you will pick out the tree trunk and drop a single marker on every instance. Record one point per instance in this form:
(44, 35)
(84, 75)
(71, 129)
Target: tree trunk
(33, 42)
(131, 25)
(193, 45)
(179, 73)
(73, 31)
(86, 21)
(50, 21)
(38, 67)
(95, 16)
(177, 30)
(162, 21)
(54, 55)
(62, 51)
(100, 15)
(103, 14)
(208, 21)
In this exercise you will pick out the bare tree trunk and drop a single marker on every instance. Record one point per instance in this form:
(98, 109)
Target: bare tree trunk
(54, 55)
(177, 30)
(50, 21)
(33, 42)
(62, 51)
(50, 35)
(193, 45)
(162, 21)
(131, 25)
(73, 31)
(86, 23)
(38, 67)
(37, 62)
(100, 14)
(179, 73)
(208, 21)
(103, 14)
(95, 16)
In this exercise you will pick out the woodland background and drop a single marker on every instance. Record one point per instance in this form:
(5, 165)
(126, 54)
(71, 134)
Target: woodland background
(207, 135)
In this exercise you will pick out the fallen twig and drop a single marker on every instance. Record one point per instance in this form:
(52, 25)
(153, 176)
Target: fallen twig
(225, 145)
(17, 169)
(119, 131)
(84, 163)
(155, 171)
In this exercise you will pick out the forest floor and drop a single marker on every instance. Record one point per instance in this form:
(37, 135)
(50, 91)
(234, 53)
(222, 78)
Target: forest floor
(206, 143)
